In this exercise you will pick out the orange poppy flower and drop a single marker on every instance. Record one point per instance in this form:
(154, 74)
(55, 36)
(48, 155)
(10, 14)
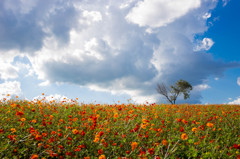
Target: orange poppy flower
(102, 157)
(134, 145)
(194, 129)
(75, 131)
(164, 142)
(13, 130)
(144, 126)
(115, 115)
(96, 140)
(34, 156)
(210, 125)
(184, 136)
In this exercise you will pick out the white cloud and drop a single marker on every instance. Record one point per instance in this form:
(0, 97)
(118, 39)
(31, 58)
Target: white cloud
(24, 6)
(205, 44)
(225, 2)
(45, 83)
(7, 69)
(201, 87)
(13, 88)
(157, 13)
(115, 56)
(207, 15)
(126, 3)
(237, 101)
(238, 81)
(94, 16)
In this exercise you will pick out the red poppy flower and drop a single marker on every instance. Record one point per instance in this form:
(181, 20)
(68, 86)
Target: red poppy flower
(100, 151)
(151, 151)
(181, 129)
(236, 146)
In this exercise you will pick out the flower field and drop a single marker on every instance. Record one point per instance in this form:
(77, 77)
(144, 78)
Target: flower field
(40, 129)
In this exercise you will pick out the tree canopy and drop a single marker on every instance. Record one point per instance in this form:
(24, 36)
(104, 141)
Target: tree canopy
(171, 94)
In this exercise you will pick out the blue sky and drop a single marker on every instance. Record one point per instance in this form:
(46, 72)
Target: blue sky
(107, 51)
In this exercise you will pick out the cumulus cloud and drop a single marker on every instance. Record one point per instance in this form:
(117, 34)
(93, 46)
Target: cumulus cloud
(94, 16)
(97, 44)
(23, 23)
(7, 69)
(238, 81)
(205, 44)
(201, 87)
(45, 83)
(236, 101)
(157, 13)
(10, 89)
(109, 54)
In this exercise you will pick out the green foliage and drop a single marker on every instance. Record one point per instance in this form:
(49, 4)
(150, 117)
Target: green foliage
(180, 87)
(55, 130)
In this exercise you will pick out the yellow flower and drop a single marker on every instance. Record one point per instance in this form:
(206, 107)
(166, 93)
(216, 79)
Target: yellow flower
(184, 136)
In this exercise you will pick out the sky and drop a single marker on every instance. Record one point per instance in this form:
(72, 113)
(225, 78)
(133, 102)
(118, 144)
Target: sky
(108, 51)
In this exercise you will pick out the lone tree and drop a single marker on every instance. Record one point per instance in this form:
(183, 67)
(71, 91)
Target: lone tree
(171, 94)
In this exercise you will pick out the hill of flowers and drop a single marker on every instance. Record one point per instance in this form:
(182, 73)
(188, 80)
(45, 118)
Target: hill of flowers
(41, 129)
